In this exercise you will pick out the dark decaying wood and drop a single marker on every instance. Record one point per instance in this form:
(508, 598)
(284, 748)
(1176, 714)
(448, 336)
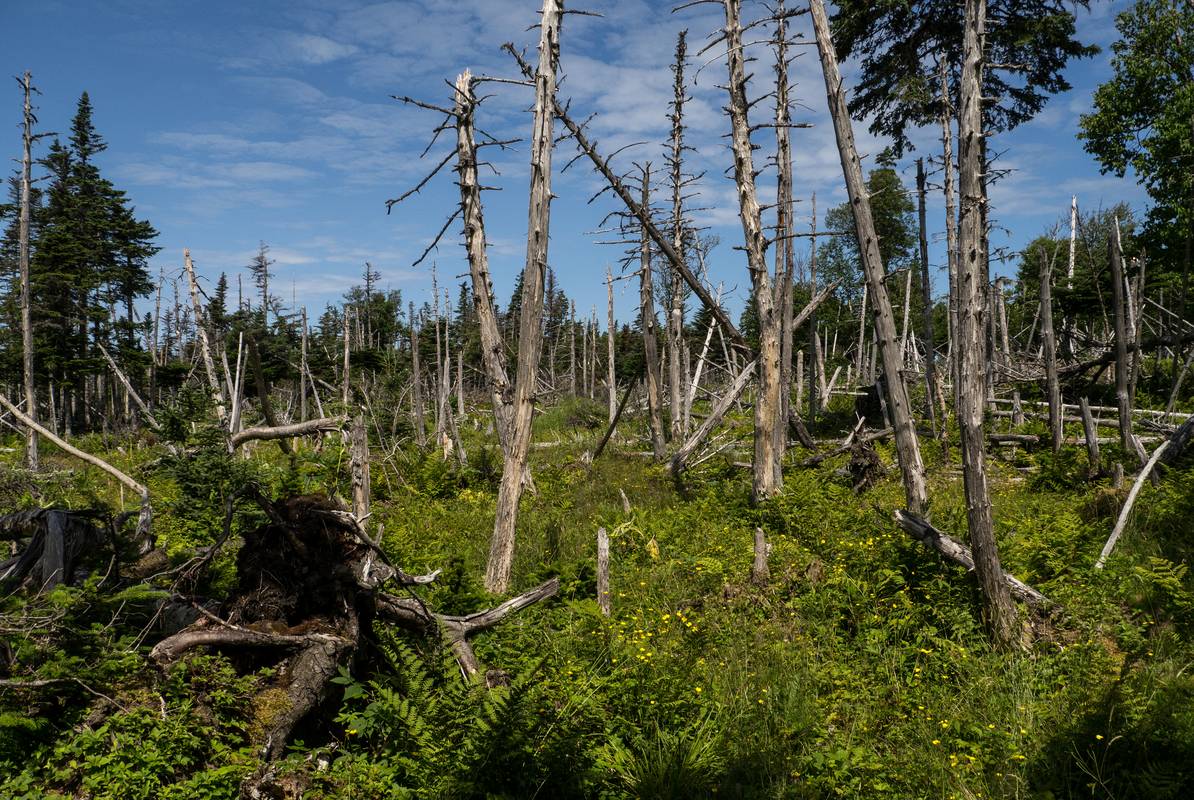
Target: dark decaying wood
(310, 582)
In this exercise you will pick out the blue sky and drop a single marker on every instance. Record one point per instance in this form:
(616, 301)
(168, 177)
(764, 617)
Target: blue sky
(234, 123)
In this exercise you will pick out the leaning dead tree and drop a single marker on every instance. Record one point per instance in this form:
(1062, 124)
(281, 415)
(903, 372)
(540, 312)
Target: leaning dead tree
(999, 613)
(899, 407)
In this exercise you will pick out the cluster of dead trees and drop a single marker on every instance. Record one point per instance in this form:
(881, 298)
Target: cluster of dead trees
(961, 378)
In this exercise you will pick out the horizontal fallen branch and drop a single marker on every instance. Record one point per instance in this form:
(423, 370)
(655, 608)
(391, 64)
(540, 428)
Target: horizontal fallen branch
(957, 553)
(287, 431)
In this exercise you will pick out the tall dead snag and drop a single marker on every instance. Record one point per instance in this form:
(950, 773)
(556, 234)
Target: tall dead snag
(907, 446)
(926, 288)
(493, 354)
(1123, 399)
(998, 610)
(416, 391)
(530, 335)
(675, 321)
(27, 137)
(951, 221)
(209, 366)
(768, 464)
(1050, 347)
(646, 299)
(784, 251)
(611, 376)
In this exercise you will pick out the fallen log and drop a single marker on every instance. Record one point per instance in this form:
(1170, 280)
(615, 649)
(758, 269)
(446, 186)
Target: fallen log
(957, 553)
(286, 431)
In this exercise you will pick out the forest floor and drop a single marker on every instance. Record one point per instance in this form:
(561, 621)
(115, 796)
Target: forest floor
(861, 669)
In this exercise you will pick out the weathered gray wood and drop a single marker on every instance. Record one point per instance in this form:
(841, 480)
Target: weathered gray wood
(767, 479)
(1123, 400)
(760, 573)
(603, 599)
(209, 366)
(926, 288)
(26, 302)
(957, 553)
(712, 421)
(611, 375)
(1053, 386)
(646, 299)
(675, 321)
(287, 431)
(493, 352)
(359, 468)
(419, 420)
(907, 446)
(1092, 439)
(530, 337)
(1122, 521)
(951, 221)
(999, 613)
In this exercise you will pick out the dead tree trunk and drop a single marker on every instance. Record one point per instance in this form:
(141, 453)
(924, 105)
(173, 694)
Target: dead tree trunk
(419, 420)
(926, 289)
(492, 347)
(646, 299)
(998, 610)
(907, 446)
(603, 571)
(768, 464)
(610, 377)
(951, 224)
(31, 459)
(675, 328)
(501, 550)
(1052, 384)
(209, 366)
(784, 249)
(1092, 439)
(1122, 399)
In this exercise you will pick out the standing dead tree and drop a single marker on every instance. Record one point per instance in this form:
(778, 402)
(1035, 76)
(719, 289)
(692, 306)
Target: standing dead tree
(998, 610)
(675, 322)
(1050, 351)
(209, 366)
(899, 408)
(1123, 397)
(501, 550)
(647, 317)
(26, 299)
(768, 464)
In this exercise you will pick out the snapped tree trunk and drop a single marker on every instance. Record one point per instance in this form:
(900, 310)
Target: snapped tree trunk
(209, 366)
(530, 336)
(907, 445)
(493, 354)
(1122, 399)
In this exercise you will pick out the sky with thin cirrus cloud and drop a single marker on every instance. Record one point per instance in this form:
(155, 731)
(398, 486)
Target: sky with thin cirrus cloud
(234, 123)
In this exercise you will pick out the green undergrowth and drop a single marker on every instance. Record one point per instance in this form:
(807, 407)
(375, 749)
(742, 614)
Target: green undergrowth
(860, 670)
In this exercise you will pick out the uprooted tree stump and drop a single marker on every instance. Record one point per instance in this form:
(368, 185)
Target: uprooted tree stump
(48, 546)
(310, 582)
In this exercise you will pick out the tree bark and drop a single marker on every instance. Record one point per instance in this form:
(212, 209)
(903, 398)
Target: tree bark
(493, 354)
(1123, 400)
(907, 446)
(501, 550)
(209, 367)
(646, 299)
(26, 300)
(999, 613)
(420, 423)
(611, 377)
(926, 289)
(603, 571)
(768, 465)
(1052, 384)
(951, 225)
